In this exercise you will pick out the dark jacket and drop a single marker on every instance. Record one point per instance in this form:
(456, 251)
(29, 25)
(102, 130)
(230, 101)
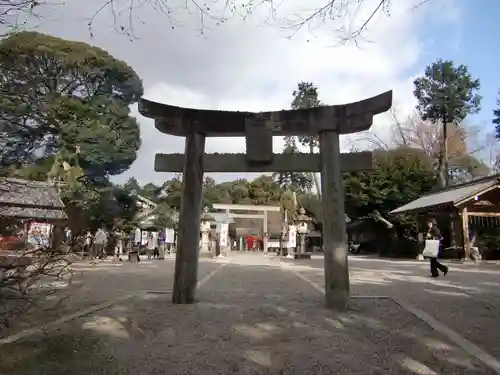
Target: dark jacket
(434, 234)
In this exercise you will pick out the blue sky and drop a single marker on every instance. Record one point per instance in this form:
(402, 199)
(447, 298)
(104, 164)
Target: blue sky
(471, 41)
(227, 68)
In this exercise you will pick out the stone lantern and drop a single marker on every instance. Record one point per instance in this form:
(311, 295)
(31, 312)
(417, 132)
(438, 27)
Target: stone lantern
(206, 222)
(302, 229)
(173, 246)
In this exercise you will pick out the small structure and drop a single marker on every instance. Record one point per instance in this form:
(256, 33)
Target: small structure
(22, 201)
(464, 203)
(241, 207)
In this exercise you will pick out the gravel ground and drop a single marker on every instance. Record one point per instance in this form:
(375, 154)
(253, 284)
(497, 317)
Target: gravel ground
(251, 319)
(467, 300)
(104, 281)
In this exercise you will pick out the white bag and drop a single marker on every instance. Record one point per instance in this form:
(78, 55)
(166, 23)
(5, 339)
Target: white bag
(431, 249)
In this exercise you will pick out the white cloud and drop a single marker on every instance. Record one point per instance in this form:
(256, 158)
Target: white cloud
(245, 65)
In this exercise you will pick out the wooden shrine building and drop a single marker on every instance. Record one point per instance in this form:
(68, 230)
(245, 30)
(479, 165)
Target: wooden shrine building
(476, 202)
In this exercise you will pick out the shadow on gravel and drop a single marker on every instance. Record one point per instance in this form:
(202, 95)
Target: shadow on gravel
(467, 300)
(250, 320)
(93, 284)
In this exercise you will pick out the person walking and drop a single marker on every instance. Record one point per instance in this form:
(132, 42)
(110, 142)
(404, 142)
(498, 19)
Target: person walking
(434, 233)
(87, 248)
(150, 247)
(134, 245)
(100, 242)
(161, 244)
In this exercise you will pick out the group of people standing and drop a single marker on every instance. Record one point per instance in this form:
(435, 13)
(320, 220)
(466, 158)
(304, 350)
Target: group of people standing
(95, 244)
(155, 244)
(155, 247)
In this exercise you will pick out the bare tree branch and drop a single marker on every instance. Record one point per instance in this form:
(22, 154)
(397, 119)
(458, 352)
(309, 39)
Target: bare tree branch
(15, 14)
(354, 16)
(29, 277)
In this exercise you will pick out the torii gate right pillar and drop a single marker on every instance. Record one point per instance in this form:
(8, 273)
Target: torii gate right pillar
(334, 228)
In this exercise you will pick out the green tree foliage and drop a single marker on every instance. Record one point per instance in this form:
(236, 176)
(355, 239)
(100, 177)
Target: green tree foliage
(36, 171)
(305, 96)
(132, 185)
(90, 206)
(400, 176)
(107, 137)
(240, 192)
(297, 182)
(164, 216)
(214, 193)
(264, 190)
(446, 94)
(151, 191)
(57, 95)
(173, 192)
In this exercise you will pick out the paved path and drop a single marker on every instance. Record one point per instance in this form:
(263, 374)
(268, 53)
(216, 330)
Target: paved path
(467, 299)
(104, 281)
(254, 317)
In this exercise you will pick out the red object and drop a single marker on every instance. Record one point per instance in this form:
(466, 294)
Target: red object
(9, 242)
(250, 240)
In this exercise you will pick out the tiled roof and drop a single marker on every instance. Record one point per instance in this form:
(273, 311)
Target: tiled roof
(449, 196)
(25, 199)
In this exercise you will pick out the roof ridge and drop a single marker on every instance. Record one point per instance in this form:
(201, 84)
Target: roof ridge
(27, 182)
(463, 184)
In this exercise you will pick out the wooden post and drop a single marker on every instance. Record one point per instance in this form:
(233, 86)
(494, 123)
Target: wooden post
(186, 262)
(420, 237)
(265, 237)
(334, 227)
(465, 232)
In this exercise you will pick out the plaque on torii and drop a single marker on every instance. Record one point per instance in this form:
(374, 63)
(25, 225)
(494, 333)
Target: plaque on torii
(326, 122)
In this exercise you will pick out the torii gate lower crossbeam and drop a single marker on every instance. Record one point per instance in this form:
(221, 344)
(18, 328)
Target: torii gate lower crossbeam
(258, 128)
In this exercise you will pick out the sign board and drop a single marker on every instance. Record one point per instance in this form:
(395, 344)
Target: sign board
(169, 235)
(224, 231)
(292, 236)
(39, 234)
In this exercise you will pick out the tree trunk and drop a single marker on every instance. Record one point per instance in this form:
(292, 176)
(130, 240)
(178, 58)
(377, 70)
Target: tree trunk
(445, 175)
(446, 166)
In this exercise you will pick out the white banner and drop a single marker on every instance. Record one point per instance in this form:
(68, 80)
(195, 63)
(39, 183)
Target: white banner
(224, 229)
(292, 236)
(169, 235)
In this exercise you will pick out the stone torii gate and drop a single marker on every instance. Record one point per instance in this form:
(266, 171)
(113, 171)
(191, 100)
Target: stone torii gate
(251, 207)
(327, 122)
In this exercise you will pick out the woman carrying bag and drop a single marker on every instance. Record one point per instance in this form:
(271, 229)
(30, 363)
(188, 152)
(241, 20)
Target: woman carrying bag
(431, 250)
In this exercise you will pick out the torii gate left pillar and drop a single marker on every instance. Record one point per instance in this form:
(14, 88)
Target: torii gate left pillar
(258, 128)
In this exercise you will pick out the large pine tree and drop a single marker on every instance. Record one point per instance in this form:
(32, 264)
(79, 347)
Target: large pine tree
(446, 94)
(307, 96)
